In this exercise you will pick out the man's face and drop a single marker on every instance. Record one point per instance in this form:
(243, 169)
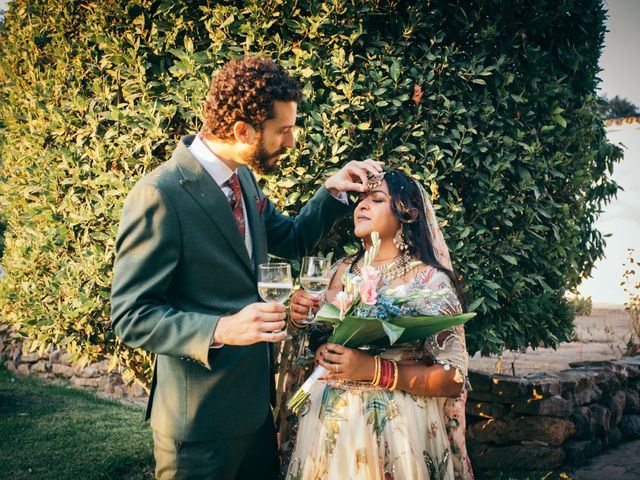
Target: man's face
(274, 139)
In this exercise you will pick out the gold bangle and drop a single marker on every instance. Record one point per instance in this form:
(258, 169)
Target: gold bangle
(376, 375)
(296, 324)
(396, 376)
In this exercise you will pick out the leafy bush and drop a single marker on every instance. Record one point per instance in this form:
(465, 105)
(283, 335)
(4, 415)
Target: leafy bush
(581, 305)
(490, 103)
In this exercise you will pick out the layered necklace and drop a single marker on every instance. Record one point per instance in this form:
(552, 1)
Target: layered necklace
(398, 267)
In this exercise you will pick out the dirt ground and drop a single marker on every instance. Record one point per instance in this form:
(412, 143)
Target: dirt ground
(601, 336)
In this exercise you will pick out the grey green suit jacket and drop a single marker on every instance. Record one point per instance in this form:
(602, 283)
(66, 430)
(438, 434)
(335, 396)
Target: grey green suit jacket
(180, 265)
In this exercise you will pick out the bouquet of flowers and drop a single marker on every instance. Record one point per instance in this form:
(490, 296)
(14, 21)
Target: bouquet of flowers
(367, 312)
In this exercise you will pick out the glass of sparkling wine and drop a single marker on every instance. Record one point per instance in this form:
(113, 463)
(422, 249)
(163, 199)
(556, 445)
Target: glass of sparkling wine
(274, 282)
(314, 278)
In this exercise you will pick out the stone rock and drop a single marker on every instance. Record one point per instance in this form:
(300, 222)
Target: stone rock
(632, 402)
(32, 357)
(579, 451)
(588, 395)
(555, 406)
(550, 430)
(23, 370)
(89, 372)
(601, 417)
(543, 384)
(615, 404)
(582, 418)
(136, 390)
(102, 366)
(40, 367)
(487, 409)
(84, 382)
(9, 365)
(486, 397)
(508, 387)
(575, 380)
(16, 353)
(55, 356)
(613, 438)
(607, 380)
(62, 370)
(66, 358)
(632, 364)
(630, 427)
(517, 457)
(481, 382)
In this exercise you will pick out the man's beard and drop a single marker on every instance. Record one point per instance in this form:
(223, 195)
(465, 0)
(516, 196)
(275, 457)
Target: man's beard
(261, 161)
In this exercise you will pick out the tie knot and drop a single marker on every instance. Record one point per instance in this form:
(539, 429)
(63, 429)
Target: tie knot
(233, 183)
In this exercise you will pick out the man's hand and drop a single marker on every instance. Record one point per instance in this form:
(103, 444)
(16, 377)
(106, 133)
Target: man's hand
(353, 177)
(255, 323)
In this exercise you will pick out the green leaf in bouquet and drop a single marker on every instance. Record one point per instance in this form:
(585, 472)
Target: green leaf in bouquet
(328, 313)
(393, 332)
(357, 331)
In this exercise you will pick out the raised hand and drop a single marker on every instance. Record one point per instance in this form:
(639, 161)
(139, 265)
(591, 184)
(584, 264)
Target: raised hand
(257, 322)
(353, 176)
(300, 303)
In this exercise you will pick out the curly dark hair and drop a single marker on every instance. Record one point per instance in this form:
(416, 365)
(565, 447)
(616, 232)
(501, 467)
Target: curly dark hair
(246, 90)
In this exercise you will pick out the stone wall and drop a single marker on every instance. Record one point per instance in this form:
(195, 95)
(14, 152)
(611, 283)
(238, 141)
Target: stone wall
(539, 421)
(547, 421)
(56, 364)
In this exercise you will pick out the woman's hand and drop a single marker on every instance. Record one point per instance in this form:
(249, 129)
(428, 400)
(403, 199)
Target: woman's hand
(345, 363)
(300, 304)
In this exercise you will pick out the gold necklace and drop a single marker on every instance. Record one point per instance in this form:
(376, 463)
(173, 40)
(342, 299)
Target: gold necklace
(398, 267)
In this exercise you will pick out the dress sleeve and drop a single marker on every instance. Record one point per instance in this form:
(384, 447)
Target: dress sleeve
(448, 347)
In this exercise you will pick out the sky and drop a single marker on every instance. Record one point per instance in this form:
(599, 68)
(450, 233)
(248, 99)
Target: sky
(620, 76)
(621, 218)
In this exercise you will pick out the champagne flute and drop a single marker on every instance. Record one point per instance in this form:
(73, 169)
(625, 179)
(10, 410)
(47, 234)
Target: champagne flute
(314, 278)
(274, 282)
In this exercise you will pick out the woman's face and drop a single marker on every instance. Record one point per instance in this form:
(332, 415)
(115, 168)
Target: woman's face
(373, 214)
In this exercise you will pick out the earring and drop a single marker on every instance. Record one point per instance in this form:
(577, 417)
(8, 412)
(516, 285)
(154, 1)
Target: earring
(398, 241)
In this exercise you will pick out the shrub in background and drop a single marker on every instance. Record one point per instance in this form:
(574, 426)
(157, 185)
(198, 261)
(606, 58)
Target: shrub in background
(491, 104)
(581, 305)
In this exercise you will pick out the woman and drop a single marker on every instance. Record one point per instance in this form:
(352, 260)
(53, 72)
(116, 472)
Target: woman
(356, 426)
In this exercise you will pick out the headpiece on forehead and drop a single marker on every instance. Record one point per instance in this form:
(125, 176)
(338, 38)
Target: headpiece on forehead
(437, 239)
(375, 181)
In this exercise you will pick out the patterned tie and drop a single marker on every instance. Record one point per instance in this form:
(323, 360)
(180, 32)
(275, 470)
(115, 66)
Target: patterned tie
(236, 203)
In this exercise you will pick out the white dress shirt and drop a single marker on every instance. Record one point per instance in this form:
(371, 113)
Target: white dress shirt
(220, 172)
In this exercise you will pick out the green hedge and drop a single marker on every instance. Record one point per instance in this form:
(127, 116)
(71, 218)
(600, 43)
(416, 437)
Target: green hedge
(506, 135)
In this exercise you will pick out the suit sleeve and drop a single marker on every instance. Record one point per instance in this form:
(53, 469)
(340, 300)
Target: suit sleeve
(147, 253)
(294, 237)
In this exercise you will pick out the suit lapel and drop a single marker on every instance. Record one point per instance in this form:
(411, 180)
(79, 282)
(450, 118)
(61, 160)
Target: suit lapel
(256, 226)
(208, 195)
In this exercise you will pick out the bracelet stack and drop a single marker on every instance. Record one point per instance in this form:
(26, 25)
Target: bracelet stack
(386, 373)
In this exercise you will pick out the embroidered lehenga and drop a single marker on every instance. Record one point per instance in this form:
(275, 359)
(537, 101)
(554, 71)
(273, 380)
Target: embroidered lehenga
(354, 430)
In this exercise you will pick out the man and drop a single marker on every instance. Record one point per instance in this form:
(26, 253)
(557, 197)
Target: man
(192, 234)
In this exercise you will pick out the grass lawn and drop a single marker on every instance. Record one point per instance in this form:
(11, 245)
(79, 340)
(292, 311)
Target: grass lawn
(55, 432)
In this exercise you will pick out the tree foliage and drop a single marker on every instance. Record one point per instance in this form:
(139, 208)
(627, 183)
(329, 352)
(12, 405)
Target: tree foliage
(491, 104)
(619, 107)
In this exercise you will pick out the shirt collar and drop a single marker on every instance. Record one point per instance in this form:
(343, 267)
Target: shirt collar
(215, 167)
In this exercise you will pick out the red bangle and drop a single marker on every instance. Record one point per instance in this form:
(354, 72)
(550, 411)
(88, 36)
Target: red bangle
(387, 379)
